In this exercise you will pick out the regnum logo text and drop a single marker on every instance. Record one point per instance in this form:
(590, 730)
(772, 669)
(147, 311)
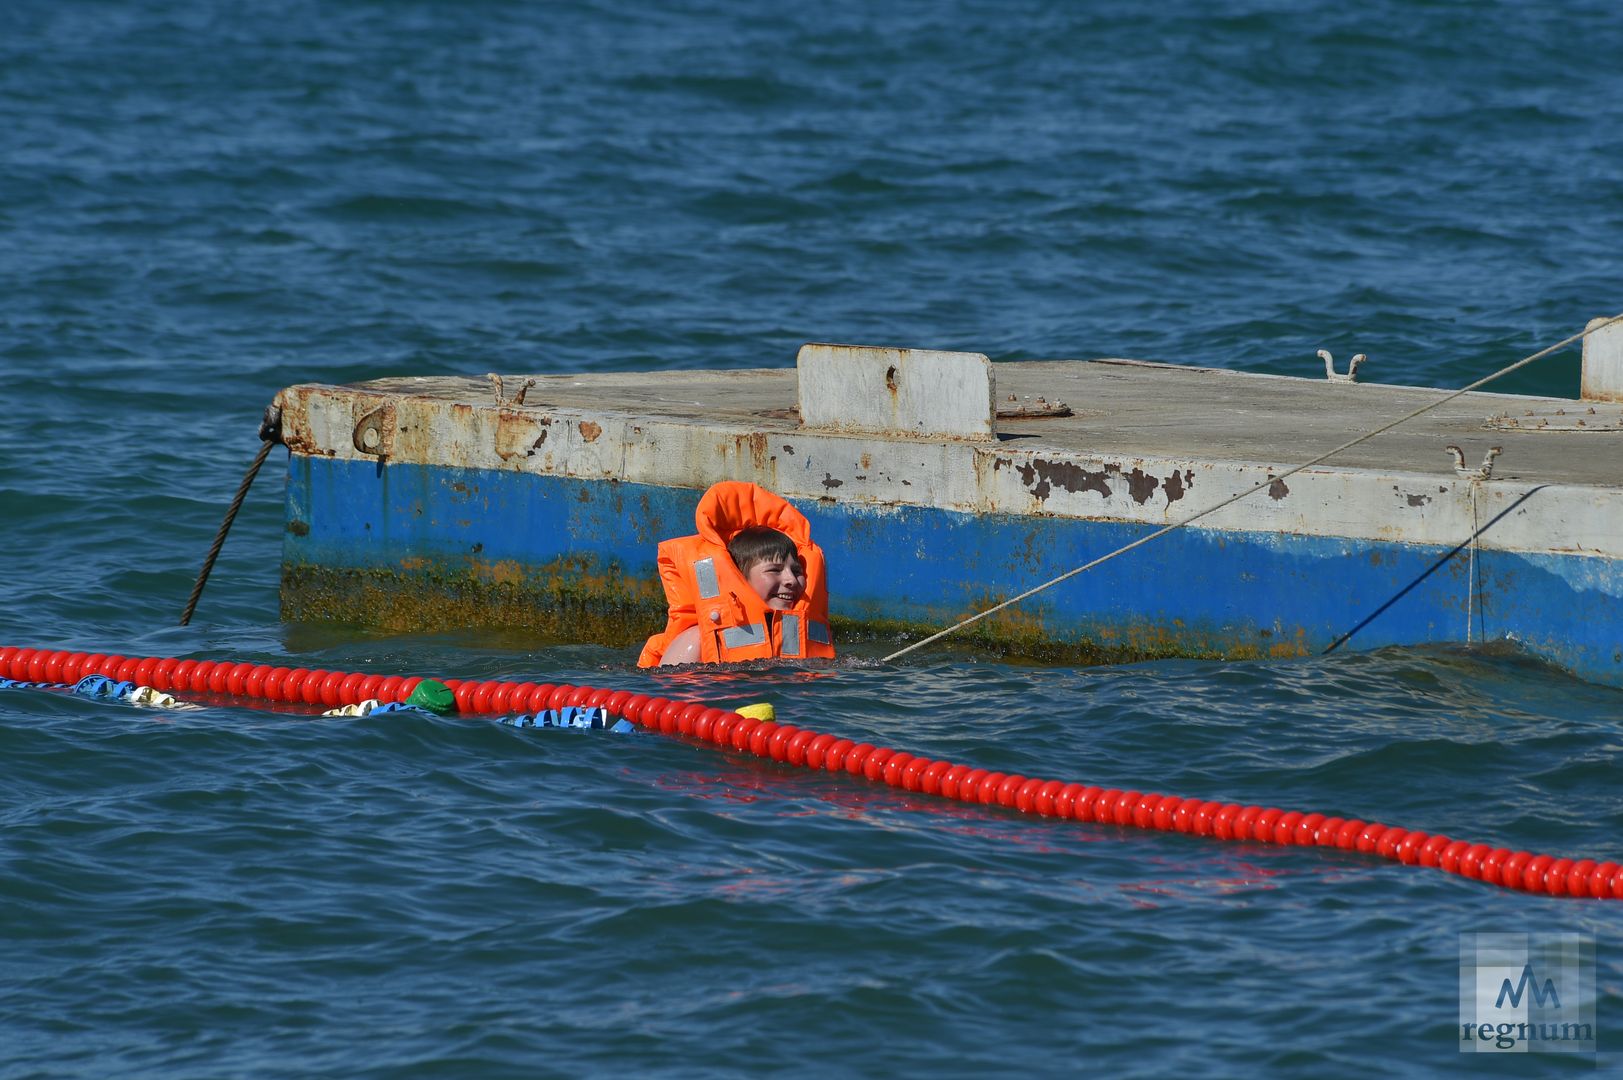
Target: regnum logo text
(1527, 993)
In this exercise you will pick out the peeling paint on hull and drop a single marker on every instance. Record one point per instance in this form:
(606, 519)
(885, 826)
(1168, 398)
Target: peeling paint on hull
(404, 546)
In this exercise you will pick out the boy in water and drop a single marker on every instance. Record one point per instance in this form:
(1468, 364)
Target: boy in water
(770, 566)
(758, 593)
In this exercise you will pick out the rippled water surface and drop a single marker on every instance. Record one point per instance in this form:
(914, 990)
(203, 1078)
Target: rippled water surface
(204, 202)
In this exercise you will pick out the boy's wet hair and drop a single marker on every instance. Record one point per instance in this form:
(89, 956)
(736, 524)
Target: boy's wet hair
(758, 544)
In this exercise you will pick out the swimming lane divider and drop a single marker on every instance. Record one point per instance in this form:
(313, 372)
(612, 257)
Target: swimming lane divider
(808, 749)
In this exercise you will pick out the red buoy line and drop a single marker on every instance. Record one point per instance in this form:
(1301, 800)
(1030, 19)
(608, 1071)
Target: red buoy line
(804, 748)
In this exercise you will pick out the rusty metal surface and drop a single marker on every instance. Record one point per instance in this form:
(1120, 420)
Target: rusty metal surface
(1013, 407)
(374, 432)
(1576, 417)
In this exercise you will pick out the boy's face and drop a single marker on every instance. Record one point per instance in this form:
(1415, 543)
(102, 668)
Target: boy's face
(780, 582)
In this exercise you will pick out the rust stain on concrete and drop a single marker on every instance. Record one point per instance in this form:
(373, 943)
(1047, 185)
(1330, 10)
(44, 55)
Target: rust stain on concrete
(568, 600)
(498, 572)
(1141, 485)
(584, 598)
(1041, 477)
(754, 444)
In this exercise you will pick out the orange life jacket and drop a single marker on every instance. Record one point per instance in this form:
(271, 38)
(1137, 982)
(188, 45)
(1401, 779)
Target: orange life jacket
(705, 589)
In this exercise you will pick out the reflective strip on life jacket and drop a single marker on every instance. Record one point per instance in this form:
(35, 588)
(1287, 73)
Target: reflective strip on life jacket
(743, 637)
(791, 636)
(704, 575)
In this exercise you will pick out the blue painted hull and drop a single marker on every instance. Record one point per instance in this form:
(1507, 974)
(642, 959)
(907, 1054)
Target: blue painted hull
(1194, 592)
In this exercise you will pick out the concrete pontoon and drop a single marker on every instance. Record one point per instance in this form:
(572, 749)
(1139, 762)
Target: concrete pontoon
(940, 484)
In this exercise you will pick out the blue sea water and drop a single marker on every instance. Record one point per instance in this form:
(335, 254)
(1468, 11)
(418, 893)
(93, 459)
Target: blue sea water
(204, 202)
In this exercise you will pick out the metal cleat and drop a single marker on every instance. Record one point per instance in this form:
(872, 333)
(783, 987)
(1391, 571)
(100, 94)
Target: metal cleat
(1330, 367)
(1483, 471)
(498, 390)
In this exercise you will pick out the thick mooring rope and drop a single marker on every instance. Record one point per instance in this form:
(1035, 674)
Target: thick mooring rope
(1269, 482)
(270, 434)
